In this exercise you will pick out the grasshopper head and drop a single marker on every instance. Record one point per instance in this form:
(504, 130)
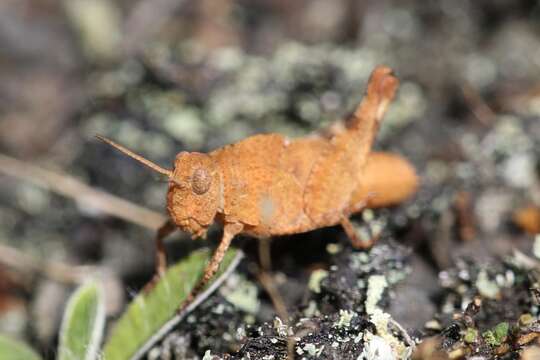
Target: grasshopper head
(194, 188)
(194, 192)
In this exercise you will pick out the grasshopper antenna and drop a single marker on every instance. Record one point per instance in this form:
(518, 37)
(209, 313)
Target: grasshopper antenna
(139, 158)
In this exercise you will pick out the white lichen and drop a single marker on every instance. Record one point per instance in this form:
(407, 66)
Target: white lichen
(207, 355)
(219, 309)
(381, 320)
(185, 124)
(519, 170)
(242, 293)
(315, 279)
(311, 310)
(485, 286)
(345, 317)
(376, 286)
(368, 215)
(312, 350)
(536, 246)
(376, 348)
(333, 248)
(98, 24)
(280, 328)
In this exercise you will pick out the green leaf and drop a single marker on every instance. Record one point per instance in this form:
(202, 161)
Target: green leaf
(150, 316)
(82, 325)
(15, 350)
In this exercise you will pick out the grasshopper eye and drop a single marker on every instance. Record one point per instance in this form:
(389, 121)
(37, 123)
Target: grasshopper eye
(200, 181)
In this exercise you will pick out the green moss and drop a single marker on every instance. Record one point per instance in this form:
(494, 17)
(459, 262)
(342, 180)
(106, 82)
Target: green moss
(496, 336)
(501, 331)
(471, 335)
(489, 338)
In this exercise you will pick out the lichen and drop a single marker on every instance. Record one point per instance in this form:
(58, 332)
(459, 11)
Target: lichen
(376, 348)
(345, 317)
(382, 320)
(242, 293)
(376, 286)
(315, 279)
(207, 355)
(536, 246)
(485, 286)
(311, 310)
(280, 328)
(312, 350)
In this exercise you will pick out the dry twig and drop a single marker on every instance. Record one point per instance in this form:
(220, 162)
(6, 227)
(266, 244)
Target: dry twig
(72, 188)
(25, 263)
(481, 110)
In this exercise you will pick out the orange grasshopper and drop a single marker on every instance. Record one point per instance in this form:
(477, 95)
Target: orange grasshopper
(268, 184)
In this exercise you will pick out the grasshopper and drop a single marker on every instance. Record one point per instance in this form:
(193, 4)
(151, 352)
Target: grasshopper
(268, 184)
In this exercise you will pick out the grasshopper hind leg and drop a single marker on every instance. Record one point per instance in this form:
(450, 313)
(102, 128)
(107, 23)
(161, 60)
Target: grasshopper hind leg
(356, 241)
(335, 175)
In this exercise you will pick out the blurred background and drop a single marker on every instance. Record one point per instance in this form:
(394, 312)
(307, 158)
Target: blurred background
(163, 76)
